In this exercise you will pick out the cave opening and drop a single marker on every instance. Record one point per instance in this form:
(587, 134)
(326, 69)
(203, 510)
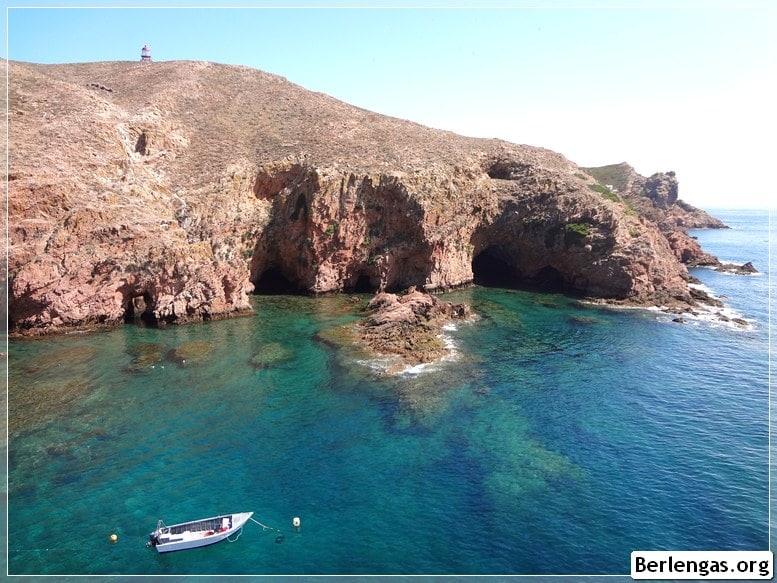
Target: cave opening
(506, 170)
(141, 145)
(495, 267)
(492, 268)
(274, 282)
(549, 279)
(364, 285)
(139, 310)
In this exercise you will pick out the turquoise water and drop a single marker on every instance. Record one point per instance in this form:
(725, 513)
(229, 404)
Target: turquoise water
(558, 439)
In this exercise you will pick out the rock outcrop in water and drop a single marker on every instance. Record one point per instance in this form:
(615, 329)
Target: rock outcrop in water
(190, 185)
(409, 326)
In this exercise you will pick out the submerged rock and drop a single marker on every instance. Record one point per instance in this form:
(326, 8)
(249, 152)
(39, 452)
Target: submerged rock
(146, 354)
(189, 353)
(271, 354)
(80, 356)
(43, 394)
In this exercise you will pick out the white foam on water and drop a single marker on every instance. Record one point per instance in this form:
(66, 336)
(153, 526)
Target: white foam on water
(724, 316)
(728, 271)
(380, 364)
(719, 314)
(392, 364)
(416, 369)
(451, 354)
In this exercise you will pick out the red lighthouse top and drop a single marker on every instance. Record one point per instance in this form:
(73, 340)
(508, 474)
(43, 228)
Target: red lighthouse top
(145, 53)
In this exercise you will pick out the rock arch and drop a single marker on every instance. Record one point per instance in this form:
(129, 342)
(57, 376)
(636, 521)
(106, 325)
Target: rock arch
(139, 308)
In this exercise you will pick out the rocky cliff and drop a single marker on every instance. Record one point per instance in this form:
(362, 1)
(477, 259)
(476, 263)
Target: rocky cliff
(656, 198)
(170, 191)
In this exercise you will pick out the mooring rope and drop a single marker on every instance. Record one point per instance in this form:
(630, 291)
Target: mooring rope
(239, 532)
(36, 550)
(264, 526)
(46, 550)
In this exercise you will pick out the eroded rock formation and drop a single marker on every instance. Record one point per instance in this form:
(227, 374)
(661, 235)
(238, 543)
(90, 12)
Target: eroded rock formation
(189, 185)
(656, 199)
(408, 326)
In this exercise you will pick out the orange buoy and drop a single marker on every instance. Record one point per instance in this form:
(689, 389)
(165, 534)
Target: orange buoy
(114, 538)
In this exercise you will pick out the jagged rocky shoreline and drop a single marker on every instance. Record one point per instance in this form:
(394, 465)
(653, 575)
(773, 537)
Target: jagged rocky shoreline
(191, 185)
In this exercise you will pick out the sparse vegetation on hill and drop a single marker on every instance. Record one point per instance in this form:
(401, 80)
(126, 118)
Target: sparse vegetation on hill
(605, 192)
(619, 176)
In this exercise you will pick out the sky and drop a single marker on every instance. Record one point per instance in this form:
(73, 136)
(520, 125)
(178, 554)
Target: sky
(676, 85)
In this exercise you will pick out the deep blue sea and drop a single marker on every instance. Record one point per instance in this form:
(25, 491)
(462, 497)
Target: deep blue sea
(558, 438)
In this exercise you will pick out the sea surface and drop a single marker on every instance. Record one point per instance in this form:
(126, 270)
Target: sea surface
(557, 437)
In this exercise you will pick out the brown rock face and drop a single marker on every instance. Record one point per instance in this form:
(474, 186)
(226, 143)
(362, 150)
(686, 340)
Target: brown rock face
(431, 228)
(661, 188)
(188, 185)
(688, 251)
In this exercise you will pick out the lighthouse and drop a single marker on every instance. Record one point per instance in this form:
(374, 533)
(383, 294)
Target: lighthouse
(145, 53)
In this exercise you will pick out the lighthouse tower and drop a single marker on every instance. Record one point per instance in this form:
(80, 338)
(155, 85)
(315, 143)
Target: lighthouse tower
(145, 53)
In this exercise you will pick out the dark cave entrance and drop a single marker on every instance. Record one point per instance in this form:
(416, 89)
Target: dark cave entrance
(491, 268)
(549, 279)
(274, 282)
(141, 146)
(139, 309)
(364, 285)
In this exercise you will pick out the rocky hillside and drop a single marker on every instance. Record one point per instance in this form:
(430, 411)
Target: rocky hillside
(170, 191)
(655, 197)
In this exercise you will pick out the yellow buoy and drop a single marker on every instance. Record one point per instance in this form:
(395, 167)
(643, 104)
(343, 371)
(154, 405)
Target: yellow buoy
(296, 522)
(114, 538)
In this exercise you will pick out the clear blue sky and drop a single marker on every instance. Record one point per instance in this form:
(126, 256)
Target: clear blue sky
(684, 86)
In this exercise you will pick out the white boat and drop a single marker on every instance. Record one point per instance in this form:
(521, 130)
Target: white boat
(197, 533)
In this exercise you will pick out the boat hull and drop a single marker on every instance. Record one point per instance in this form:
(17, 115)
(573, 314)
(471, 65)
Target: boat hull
(198, 533)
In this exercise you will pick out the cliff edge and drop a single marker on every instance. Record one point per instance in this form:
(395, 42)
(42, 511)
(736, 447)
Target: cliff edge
(656, 198)
(168, 192)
